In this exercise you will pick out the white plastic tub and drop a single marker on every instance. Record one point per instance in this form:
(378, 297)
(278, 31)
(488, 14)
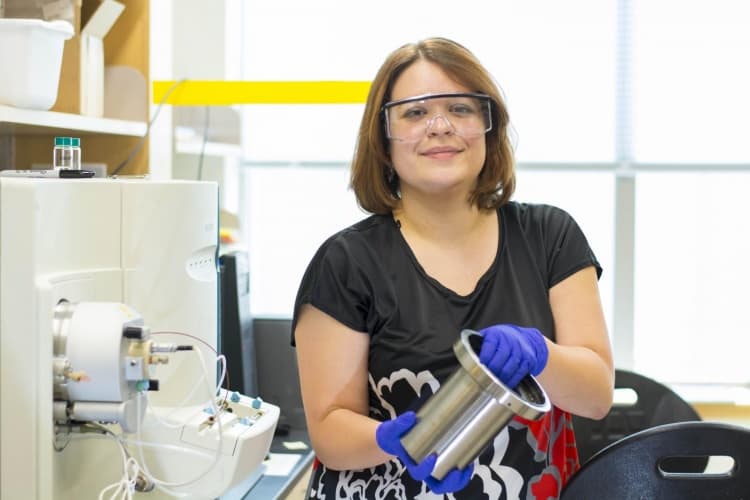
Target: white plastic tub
(30, 60)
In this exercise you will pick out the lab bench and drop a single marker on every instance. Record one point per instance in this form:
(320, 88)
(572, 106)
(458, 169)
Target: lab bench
(290, 457)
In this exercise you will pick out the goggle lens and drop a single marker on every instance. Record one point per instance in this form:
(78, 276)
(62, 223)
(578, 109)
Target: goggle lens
(466, 115)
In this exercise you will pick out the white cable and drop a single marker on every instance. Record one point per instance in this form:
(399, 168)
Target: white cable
(166, 485)
(126, 484)
(163, 420)
(125, 487)
(170, 447)
(223, 360)
(205, 378)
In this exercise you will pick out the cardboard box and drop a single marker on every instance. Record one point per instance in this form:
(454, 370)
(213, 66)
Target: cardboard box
(69, 91)
(46, 10)
(82, 76)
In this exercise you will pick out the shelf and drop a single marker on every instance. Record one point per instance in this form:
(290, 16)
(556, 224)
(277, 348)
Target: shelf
(20, 121)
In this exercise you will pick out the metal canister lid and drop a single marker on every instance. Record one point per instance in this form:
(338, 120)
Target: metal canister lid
(528, 400)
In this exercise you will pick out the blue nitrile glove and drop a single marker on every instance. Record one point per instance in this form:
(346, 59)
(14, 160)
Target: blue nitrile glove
(511, 352)
(388, 436)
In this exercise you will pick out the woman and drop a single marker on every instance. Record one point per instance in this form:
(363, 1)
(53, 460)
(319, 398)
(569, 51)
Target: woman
(383, 301)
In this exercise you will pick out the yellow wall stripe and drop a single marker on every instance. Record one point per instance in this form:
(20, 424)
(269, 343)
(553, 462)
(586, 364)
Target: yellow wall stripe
(224, 93)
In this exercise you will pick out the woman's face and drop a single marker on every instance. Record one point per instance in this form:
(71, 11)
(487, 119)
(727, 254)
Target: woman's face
(442, 160)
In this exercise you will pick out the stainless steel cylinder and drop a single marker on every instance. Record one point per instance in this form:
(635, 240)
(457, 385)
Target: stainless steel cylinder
(469, 410)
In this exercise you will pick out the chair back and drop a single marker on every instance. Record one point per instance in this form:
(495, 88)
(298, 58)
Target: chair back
(655, 404)
(639, 467)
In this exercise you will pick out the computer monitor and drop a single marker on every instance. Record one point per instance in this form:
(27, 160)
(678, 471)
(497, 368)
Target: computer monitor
(278, 377)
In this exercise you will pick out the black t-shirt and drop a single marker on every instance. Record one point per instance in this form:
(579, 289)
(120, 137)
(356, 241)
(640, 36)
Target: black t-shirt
(367, 278)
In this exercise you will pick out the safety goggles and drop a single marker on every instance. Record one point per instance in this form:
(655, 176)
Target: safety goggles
(465, 114)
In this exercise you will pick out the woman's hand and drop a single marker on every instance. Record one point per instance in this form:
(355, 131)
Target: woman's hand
(388, 436)
(511, 352)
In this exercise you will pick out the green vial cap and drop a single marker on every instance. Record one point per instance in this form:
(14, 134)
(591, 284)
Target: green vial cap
(76, 141)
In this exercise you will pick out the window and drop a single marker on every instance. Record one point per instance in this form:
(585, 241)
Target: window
(285, 146)
(690, 99)
(691, 260)
(553, 64)
(600, 93)
(291, 210)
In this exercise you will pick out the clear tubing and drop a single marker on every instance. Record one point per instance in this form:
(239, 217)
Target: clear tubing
(166, 486)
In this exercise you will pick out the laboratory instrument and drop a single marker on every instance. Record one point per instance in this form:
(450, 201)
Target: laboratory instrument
(108, 337)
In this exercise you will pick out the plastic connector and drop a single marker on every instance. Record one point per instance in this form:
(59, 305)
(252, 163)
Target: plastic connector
(147, 385)
(161, 347)
(139, 332)
(170, 347)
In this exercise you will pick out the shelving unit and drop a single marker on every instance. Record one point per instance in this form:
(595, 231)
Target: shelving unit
(17, 121)
(27, 136)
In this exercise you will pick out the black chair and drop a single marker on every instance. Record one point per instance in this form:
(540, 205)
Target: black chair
(640, 466)
(655, 404)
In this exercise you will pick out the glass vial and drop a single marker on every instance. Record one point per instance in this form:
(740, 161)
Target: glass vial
(62, 156)
(76, 158)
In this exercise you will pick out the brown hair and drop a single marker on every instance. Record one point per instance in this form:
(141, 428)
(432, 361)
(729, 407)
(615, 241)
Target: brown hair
(375, 189)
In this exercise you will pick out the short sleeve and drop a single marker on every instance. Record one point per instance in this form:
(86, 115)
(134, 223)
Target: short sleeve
(566, 246)
(335, 284)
